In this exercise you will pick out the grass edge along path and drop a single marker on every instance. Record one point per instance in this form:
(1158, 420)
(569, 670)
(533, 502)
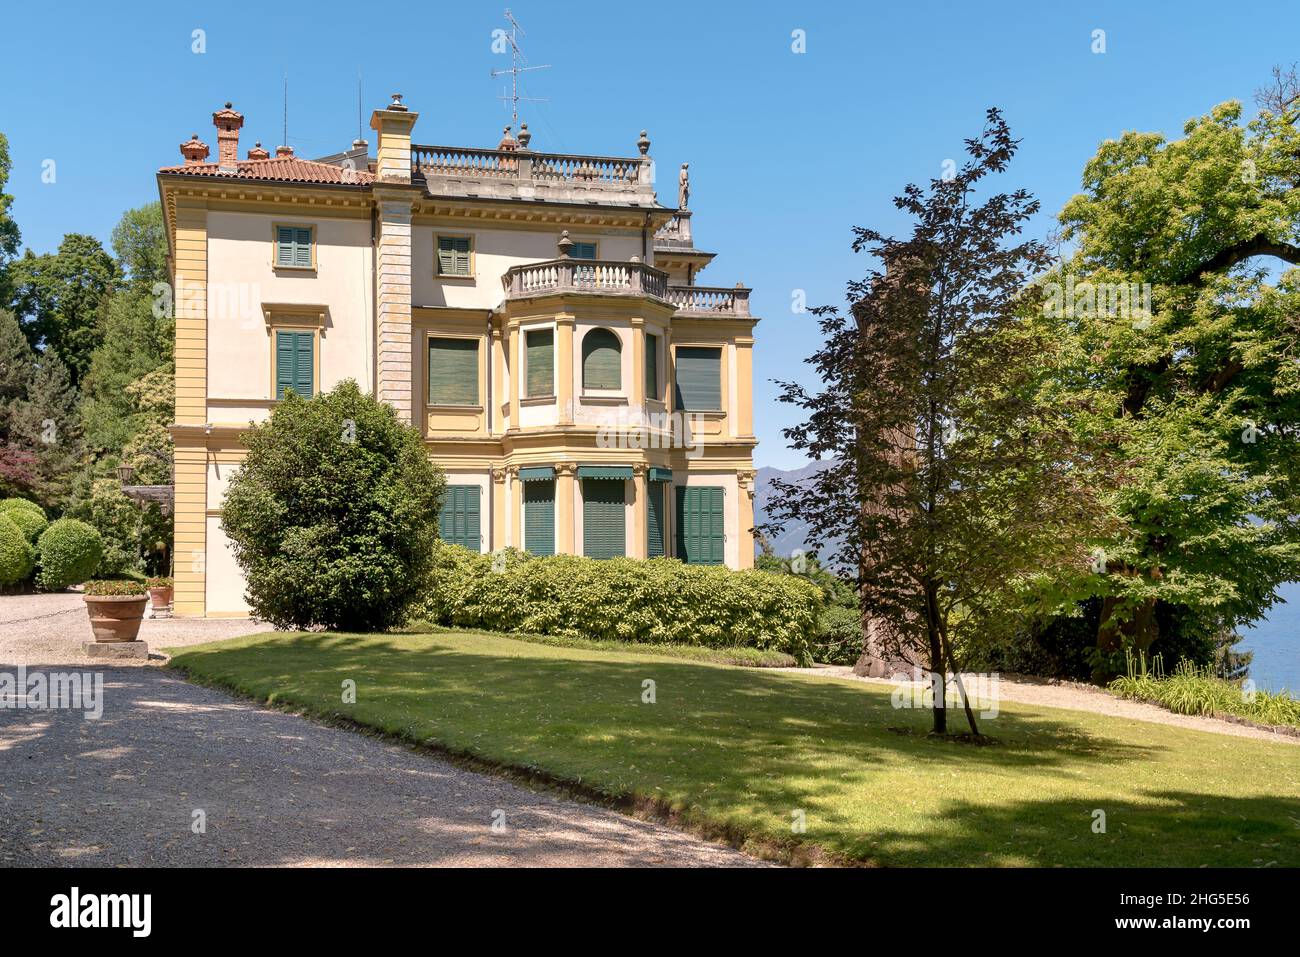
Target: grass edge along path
(799, 769)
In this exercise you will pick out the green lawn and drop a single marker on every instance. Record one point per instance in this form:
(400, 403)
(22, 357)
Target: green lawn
(740, 751)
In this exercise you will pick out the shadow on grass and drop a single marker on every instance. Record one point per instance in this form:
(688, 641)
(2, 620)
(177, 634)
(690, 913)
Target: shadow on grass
(1245, 832)
(745, 750)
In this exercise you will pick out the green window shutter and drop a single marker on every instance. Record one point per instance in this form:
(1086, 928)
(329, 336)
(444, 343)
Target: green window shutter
(453, 255)
(699, 378)
(295, 363)
(284, 246)
(583, 251)
(302, 247)
(539, 517)
(604, 522)
(458, 522)
(453, 372)
(602, 360)
(651, 366)
(654, 507)
(701, 525)
(541, 362)
(293, 246)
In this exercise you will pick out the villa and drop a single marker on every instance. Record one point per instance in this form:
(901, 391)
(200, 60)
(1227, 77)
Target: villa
(534, 314)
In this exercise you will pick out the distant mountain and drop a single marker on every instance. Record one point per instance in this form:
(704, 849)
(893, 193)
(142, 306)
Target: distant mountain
(795, 534)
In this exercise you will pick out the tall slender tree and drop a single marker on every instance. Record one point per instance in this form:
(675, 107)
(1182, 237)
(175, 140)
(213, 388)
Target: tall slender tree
(960, 479)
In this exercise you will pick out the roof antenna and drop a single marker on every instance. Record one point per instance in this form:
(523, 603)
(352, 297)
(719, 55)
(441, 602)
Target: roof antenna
(285, 141)
(516, 59)
(358, 104)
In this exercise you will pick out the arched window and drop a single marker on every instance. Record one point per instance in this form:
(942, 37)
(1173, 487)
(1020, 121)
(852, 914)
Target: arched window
(602, 360)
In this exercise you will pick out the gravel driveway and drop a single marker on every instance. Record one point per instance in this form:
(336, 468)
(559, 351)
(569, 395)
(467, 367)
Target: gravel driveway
(275, 789)
(49, 629)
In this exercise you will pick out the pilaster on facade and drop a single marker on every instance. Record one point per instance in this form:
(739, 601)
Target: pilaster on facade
(393, 360)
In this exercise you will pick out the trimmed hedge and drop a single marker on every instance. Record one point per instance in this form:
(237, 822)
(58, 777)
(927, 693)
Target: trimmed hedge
(659, 600)
(69, 552)
(17, 557)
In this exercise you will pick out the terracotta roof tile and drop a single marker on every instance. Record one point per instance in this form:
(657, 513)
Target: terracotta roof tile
(279, 169)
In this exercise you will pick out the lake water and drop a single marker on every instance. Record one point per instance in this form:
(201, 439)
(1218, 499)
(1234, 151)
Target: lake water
(1275, 640)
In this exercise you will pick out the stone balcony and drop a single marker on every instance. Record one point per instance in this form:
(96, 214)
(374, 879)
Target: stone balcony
(611, 278)
(712, 302)
(592, 276)
(456, 171)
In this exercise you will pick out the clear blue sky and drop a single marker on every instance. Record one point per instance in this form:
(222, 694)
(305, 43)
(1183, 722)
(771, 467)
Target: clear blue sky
(787, 151)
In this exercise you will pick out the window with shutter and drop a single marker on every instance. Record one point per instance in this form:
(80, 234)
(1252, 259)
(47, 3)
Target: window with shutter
(701, 525)
(583, 251)
(453, 255)
(453, 372)
(295, 363)
(604, 523)
(699, 378)
(539, 517)
(540, 349)
(651, 366)
(293, 246)
(458, 522)
(602, 360)
(654, 503)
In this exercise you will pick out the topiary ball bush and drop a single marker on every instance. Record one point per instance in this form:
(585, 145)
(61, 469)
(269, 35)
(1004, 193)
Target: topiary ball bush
(69, 552)
(32, 522)
(17, 557)
(9, 504)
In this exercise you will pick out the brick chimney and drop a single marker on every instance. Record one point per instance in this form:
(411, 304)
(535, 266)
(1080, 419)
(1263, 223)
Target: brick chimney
(257, 153)
(284, 151)
(228, 122)
(195, 151)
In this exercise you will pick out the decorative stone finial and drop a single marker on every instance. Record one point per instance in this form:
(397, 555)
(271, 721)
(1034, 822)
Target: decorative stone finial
(524, 136)
(565, 244)
(643, 144)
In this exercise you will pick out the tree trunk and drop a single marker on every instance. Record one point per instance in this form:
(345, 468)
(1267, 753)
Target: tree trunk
(1139, 631)
(938, 671)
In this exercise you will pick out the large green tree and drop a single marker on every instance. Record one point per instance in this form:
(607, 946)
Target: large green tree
(1206, 376)
(60, 297)
(39, 427)
(136, 338)
(9, 235)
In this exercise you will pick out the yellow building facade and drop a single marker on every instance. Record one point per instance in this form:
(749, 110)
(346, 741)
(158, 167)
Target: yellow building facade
(535, 315)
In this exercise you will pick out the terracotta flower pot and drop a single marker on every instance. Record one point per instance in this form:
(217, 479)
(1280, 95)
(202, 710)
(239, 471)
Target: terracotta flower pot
(161, 598)
(115, 617)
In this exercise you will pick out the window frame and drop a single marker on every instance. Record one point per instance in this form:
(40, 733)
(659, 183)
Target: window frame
(723, 384)
(437, 258)
(650, 349)
(599, 391)
(429, 402)
(525, 395)
(275, 245)
(273, 329)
